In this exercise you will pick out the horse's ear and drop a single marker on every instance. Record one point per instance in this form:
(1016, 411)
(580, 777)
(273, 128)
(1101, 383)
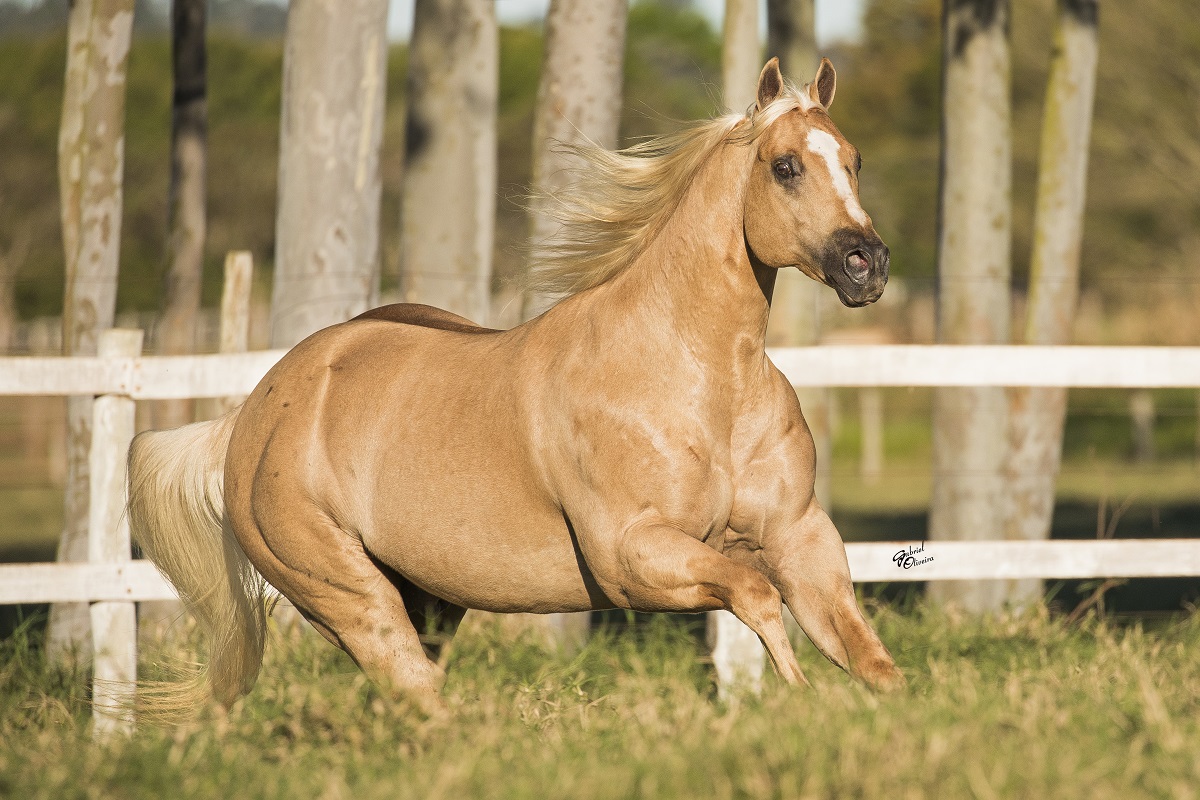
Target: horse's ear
(770, 83)
(823, 87)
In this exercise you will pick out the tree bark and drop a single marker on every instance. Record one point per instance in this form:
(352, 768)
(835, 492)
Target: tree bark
(795, 305)
(792, 36)
(91, 151)
(331, 129)
(1037, 415)
(189, 124)
(448, 202)
(974, 250)
(741, 54)
(579, 101)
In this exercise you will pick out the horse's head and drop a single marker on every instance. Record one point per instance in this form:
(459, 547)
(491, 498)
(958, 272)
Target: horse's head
(802, 206)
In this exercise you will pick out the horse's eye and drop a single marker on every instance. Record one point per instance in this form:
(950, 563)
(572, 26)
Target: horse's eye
(784, 168)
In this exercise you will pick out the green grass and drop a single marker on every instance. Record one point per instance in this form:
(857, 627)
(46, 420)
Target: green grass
(1011, 706)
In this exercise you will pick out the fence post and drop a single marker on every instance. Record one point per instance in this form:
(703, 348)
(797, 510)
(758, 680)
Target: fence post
(235, 312)
(233, 335)
(738, 656)
(114, 624)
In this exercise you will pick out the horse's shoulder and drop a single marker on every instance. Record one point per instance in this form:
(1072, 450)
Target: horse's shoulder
(423, 316)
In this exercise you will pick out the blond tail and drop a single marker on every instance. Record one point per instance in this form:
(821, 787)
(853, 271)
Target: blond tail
(176, 514)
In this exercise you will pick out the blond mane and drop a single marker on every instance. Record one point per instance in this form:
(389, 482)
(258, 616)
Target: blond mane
(618, 201)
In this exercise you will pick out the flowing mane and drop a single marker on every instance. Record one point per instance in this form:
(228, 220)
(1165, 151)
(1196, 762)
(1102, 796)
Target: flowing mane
(619, 200)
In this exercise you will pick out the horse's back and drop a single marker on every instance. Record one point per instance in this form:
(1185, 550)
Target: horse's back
(402, 372)
(423, 316)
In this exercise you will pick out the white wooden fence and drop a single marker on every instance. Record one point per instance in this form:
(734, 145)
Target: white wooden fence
(113, 583)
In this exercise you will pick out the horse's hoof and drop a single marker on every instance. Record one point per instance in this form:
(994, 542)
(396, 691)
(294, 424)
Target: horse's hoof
(884, 677)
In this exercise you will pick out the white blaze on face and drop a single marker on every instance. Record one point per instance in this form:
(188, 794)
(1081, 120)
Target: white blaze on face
(823, 144)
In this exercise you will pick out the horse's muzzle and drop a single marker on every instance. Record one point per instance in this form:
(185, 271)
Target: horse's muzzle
(857, 268)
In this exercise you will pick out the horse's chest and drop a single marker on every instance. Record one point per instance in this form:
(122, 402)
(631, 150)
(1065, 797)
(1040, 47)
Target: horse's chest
(774, 465)
(675, 465)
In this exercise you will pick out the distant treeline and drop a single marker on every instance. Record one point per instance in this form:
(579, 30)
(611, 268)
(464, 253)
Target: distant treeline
(256, 18)
(1143, 217)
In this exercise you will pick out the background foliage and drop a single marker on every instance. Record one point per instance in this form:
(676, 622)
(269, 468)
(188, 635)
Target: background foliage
(1144, 185)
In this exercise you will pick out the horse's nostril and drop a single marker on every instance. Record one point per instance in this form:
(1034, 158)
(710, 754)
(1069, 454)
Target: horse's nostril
(858, 266)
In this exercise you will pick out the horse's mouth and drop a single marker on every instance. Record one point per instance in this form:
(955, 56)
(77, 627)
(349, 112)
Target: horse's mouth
(858, 302)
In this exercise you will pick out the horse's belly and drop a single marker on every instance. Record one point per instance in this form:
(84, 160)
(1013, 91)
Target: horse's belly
(491, 562)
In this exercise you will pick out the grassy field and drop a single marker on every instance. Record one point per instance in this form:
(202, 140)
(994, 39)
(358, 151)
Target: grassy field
(1013, 706)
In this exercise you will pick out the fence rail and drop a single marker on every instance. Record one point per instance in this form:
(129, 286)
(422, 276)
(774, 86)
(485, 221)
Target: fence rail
(223, 375)
(138, 581)
(143, 378)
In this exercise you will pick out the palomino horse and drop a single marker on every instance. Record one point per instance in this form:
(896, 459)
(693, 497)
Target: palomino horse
(633, 447)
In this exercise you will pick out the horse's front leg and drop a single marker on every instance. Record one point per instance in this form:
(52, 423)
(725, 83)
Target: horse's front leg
(657, 567)
(807, 562)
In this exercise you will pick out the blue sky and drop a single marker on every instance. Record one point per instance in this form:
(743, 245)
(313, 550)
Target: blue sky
(836, 19)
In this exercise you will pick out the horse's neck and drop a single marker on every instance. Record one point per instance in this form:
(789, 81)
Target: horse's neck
(697, 273)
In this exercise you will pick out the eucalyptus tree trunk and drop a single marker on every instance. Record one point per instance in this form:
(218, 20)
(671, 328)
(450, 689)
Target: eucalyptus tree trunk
(792, 36)
(186, 223)
(738, 655)
(91, 151)
(1037, 415)
(189, 125)
(448, 201)
(974, 222)
(795, 311)
(741, 54)
(331, 129)
(579, 101)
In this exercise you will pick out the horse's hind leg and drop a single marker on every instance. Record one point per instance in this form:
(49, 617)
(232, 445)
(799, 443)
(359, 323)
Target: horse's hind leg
(808, 564)
(434, 619)
(344, 593)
